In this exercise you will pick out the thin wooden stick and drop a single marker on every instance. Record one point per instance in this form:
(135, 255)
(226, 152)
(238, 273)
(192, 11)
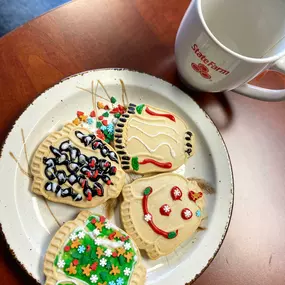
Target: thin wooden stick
(104, 89)
(20, 167)
(86, 90)
(51, 212)
(124, 94)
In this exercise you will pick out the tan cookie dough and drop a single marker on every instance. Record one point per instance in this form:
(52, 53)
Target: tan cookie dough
(151, 140)
(161, 212)
(75, 167)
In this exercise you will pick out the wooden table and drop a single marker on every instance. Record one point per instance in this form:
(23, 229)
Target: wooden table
(140, 34)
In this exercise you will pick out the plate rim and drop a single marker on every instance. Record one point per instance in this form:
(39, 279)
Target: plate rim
(232, 183)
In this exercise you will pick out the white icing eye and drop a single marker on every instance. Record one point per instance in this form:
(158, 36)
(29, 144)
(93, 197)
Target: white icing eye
(186, 214)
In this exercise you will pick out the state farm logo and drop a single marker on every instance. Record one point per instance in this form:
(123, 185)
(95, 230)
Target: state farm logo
(203, 68)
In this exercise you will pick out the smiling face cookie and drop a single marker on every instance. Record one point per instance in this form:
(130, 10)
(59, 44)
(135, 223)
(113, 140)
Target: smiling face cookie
(149, 139)
(91, 250)
(161, 212)
(77, 168)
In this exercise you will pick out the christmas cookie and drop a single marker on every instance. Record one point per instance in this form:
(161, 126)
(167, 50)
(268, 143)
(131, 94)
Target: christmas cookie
(75, 167)
(149, 139)
(161, 212)
(91, 250)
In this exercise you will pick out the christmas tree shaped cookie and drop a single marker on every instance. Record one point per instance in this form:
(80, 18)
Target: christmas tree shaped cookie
(149, 139)
(161, 212)
(91, 250)
(75, 167)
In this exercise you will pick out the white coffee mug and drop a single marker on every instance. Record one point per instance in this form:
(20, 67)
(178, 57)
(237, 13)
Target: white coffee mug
(223, 44)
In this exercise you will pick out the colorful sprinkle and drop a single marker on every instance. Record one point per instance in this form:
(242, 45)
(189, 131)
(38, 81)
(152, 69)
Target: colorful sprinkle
(94, 278)
(106, 107)
(117, 115)
(94, 266)
(106, 114)
(98, 125)
(105, 122)
(76, 121)
(198, 213)
(93, 114)
(100, 105)
(90, 121)
(110, 128)
(101, 118)
(67, 248)
(113, 100)
(83, 118)
(81, 249)
(75, 262)
(120, 281)
(79, 114)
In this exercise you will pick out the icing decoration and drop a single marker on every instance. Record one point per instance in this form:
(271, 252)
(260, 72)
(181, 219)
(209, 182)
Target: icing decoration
(79, 114)
(165, 210)
(148, 217)
(186, 214)
(152, 135)
(176, 193)
(67, 248)
(86, 270)
(195, 196)
(75, 244)
(116, 258)
(94, 278)
(76, 122)
(120, 281)
(152, 113)
(71, 269)
(135, 163)
(153, 124)
(113, 100)
(157, 163)
(92, 114)
(115, 270)
(156, 148)
(198, 213)
(100, 105)
(139, 108)
(78, 167)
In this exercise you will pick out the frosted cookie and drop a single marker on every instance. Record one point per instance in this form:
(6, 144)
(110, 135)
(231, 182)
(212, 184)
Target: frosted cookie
(161, 212)
(91, 250)
(75, 167)
(149, 139)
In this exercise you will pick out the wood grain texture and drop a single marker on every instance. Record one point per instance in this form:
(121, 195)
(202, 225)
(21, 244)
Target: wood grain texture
(140, 34)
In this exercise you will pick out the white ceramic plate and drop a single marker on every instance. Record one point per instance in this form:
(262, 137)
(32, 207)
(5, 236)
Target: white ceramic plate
(28, 224)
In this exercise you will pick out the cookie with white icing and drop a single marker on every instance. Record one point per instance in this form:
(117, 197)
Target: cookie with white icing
(91, 250)
(161, 212)
(150, 140)
(75, 167)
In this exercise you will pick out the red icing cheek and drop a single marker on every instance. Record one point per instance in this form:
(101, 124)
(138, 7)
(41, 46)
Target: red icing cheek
(186, 214)
(176, 193)
(165, 210)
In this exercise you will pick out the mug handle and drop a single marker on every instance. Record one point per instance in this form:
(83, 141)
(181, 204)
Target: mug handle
(264, 94)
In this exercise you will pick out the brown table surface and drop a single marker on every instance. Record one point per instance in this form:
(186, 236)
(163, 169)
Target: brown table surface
(140, 35)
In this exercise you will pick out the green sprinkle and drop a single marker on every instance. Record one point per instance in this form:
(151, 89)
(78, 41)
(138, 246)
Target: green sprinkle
(147, 191)
(121, 260)
(91, 227)
(113, 100)
(98, 125)
(117, 115)
(106, 114)
(135, 163)
(103, 275)
(93, 254)
(171, 235)
(139, 108)
(109, 265)
(75, 254)
(107, 140)
(85, 259)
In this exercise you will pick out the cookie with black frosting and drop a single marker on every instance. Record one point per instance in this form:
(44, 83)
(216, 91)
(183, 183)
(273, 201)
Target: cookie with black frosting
(75, 167)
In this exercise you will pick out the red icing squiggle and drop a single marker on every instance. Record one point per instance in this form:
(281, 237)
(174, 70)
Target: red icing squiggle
(152, 113)
(157, 163)
(153, 226)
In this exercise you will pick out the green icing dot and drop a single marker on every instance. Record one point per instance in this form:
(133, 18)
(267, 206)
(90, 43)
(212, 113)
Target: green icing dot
(113, 100)
(171, 235)
(147, 191)
(121, 260)
(117, 115)
(98, 125)
(135, 163)
(103, 275)
(139, 108)
(106, 114)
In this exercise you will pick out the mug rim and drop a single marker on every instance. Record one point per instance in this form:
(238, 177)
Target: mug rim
(243, 57)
